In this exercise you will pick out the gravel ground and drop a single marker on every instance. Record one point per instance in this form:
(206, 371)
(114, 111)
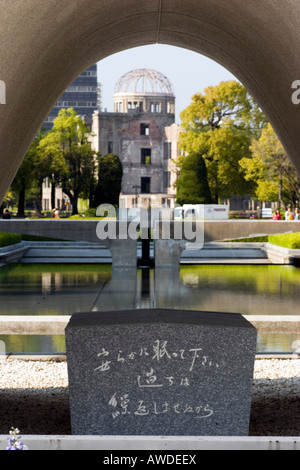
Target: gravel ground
(34, 397)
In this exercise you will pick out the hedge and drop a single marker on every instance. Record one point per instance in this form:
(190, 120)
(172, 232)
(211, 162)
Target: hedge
(9, 239)
(13, 238)
(286, 240)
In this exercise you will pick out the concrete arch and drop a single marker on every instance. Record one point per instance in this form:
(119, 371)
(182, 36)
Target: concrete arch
(44, 45)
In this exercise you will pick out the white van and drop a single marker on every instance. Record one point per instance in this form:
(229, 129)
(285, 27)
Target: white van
(202, 211)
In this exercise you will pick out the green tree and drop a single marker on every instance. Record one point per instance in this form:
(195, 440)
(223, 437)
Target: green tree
(68, 158)
(219, 125)
(271, 171)
(226, 147)
(192, 185)
(110, 173)
(50, 163)
(25, 177)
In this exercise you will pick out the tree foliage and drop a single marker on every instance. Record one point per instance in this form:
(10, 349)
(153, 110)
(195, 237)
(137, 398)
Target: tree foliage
(64, 155)
(271, 171)
(72, 159)
(25, 178)
(192, 185)
(110, 173)
(219, 125)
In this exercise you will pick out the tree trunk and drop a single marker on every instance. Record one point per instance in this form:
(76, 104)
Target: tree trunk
(39, 199)
(75, 205)
(281, 202)
(73, 199)
(53, 201)
(21, 202)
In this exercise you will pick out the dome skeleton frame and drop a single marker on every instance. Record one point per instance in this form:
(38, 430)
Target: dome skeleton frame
(144, 82)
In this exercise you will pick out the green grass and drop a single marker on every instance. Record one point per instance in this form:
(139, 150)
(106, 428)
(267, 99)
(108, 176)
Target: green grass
(286, 240)
(263, 239)
(83, 217)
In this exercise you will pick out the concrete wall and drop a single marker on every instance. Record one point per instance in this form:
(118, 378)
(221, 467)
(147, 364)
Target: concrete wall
(230, 229)
(123, 251)
(55, 325)
(217, 230)
(85, 230)
(159, 443)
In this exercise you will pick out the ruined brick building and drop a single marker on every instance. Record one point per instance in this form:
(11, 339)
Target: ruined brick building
(143, 133)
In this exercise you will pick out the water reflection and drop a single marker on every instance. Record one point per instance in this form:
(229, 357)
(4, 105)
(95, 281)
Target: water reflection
(246, 289)
(63, 290)
(51, 289)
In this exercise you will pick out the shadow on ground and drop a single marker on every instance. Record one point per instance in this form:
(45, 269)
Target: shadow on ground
(47, 412)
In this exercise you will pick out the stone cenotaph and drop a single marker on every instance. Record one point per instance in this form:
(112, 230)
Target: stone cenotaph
(160, 372)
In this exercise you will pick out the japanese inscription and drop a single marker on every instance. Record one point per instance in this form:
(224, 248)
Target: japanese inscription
(159, 352)
(121, 404)
(150, 376)
(160, 372)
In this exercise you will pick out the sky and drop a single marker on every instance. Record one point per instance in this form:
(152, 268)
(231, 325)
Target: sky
(188, 71)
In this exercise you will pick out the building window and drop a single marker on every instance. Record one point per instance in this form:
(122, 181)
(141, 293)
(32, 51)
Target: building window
(166, 179)
(170, 108)
(145, 129)
(46, 204)
(156, 108)
(146, 156)
(166, 202)
(47, 183)
(167, 150)
(110, 147)
(145, 185)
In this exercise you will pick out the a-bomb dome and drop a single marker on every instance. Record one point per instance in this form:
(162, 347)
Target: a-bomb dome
(144, 82)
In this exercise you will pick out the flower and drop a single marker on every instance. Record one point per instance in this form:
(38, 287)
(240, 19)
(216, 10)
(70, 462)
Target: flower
(14, 440)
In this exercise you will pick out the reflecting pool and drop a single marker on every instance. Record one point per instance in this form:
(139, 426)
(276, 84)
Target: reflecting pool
(65, 289)
(50, 289)
(246, 289)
